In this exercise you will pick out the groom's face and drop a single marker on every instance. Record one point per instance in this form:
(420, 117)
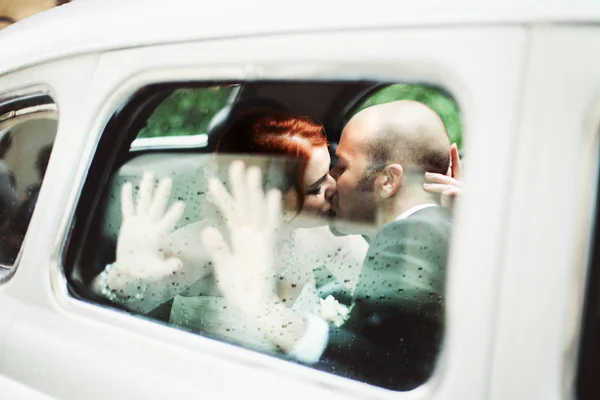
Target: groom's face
(354, 200)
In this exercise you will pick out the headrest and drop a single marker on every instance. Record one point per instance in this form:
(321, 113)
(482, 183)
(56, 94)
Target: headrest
(224, 116)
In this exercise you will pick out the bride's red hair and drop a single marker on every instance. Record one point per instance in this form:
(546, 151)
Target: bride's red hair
(276, 133)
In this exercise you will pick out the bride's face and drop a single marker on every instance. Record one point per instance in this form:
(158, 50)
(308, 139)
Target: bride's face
(319, 187)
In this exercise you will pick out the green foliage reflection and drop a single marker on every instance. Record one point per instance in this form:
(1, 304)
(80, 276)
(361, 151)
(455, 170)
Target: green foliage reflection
(187, 111)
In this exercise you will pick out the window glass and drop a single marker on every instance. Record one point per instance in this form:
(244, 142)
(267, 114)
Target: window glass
(332, 272)
(188, 111)
(26, 137)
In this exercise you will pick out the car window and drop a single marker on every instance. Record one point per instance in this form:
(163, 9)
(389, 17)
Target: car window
(27, 131)
(199, 239)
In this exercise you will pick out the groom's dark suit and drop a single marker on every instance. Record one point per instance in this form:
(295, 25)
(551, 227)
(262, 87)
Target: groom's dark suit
(394, 332)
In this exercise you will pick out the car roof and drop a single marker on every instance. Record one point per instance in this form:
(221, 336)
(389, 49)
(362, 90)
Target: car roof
(91, 26)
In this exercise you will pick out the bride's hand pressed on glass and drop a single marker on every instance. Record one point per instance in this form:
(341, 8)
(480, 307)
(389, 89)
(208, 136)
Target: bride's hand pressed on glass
(245, 267)
(145, 227)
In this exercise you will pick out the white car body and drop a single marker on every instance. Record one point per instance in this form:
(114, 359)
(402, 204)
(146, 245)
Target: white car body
(527, 79)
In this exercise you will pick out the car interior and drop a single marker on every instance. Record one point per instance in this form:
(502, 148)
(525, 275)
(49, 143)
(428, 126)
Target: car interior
(329, 103)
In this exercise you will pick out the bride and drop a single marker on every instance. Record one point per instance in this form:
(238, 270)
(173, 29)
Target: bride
(155, 264)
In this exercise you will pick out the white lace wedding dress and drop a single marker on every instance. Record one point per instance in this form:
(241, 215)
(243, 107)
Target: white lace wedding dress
(213, 316)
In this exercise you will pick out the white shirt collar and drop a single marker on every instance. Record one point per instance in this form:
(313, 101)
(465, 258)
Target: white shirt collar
(414, 209)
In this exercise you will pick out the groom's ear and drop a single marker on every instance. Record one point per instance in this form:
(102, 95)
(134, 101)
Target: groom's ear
(390, 180)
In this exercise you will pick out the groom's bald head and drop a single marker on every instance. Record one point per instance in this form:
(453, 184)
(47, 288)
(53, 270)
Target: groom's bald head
(405, 132)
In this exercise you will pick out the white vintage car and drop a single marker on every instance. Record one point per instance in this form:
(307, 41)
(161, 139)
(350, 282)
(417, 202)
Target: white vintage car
(114, 88)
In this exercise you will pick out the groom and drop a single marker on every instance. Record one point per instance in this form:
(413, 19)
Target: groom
(393, 333)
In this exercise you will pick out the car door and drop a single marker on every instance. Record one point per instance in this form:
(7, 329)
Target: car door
(550, 227)
(71, 347)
